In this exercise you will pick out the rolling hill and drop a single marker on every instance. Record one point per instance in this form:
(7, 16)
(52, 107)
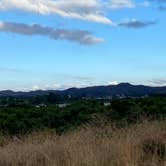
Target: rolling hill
(122, 89)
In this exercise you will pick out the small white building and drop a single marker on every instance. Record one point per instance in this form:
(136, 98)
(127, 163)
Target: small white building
(107, 104)
(62, 105)
(41, 105)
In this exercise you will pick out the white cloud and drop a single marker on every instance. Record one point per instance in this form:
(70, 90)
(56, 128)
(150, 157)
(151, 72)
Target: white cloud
(89, 10)
(112, 83)
(157, 82)
(58, 86)
(35, 87)
(117, 4)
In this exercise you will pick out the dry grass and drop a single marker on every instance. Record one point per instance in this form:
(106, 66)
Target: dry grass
(140, 145)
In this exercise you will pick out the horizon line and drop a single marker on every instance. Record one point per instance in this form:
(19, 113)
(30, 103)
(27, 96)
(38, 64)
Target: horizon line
(74, 87)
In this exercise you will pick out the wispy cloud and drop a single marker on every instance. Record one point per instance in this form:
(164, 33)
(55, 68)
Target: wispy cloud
(79, 36)
(122, 4)
(90, 10)
(7, 69)
(118, 4)
(144, 4)
(136, 24)
(82, 78)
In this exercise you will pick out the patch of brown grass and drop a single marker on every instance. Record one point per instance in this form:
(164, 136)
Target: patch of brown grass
(140, 145)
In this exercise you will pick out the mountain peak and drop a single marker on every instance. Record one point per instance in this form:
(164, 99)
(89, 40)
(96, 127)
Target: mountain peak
(125, 84)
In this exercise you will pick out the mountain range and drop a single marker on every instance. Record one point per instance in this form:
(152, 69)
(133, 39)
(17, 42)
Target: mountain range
(121, 90)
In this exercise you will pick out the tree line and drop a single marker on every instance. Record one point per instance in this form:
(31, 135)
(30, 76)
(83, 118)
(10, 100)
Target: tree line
(21, 116)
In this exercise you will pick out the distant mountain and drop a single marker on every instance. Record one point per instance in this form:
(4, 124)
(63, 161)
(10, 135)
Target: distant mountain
(123, 89)
(9, 93)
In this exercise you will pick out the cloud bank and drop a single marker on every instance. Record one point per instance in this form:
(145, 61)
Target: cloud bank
(79, 36)
(157, 82)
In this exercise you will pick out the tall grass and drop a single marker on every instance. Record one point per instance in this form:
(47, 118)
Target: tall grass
(143, 144)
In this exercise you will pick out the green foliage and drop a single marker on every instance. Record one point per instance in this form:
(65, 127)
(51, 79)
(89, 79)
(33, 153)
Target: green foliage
(20, 120)
(21, 116)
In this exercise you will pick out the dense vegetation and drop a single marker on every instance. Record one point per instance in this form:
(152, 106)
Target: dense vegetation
(20, 116)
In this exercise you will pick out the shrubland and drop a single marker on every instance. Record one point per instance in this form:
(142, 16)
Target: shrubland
(142, 144)
(128, 132)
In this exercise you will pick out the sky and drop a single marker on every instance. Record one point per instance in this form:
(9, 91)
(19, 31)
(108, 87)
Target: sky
(58, 44)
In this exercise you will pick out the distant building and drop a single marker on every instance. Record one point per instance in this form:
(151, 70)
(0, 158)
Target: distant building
(107, 104)
(62, 105)
(41, 105)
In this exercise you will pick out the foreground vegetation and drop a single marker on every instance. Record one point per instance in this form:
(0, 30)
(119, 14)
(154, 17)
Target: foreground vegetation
(141, 144)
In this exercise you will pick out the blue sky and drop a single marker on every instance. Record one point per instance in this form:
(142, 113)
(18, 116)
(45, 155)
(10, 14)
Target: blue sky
(57, 44)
